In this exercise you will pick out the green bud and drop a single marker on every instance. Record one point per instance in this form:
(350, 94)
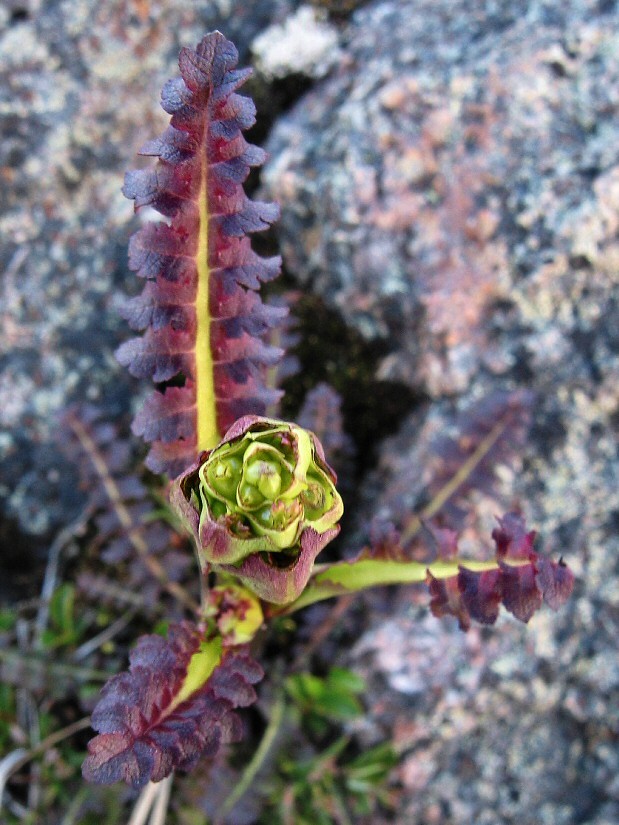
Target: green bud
(280, 522)
(266, 476)
(314, 499)
(224, 475)
(218, 509)
(270, 484)
(249, 497)
(258, 491)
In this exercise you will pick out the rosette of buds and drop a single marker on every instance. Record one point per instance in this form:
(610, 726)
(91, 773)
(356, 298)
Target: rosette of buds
(261, 505)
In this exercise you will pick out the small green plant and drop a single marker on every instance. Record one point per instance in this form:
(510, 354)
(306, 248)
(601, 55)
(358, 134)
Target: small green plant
(328, 783)
(255, 493)
(334, 698)
(65, 627)
(333, 786)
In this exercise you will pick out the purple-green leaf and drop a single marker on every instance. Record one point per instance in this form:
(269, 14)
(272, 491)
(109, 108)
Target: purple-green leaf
(171, 708)
(202, 317)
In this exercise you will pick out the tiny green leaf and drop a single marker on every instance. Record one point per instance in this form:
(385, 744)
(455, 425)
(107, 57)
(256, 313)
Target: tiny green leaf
(201, 665)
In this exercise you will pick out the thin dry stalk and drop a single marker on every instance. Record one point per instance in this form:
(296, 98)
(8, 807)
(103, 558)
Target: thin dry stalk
(124, 516)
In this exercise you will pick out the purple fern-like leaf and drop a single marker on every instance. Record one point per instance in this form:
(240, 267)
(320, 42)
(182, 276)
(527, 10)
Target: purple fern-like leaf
(202, 317)
(146, 729)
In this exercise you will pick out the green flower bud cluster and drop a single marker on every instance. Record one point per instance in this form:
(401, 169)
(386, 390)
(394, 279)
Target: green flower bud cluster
(269, 483)
(261, 506)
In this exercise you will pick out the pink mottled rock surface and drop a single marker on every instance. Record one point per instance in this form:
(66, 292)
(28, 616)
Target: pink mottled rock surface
(452, 188)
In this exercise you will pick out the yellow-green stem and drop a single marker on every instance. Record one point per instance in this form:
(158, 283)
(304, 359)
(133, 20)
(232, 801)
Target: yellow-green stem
(350, 577)
(270, 734)
(206, 415)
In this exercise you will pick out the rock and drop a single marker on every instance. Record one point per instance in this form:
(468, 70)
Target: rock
(451, 187)
(302, 44)
(449, 157)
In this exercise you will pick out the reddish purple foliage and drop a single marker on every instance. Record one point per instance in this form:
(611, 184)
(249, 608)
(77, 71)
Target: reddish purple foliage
(202, 159)
(490, 433)
(322, 414)
(506, 414)
(481, 594)
(512, 538)
(446, 541)
(285, 336)
(521, 582)
(447, 600)
(120, 504)
(143, 736)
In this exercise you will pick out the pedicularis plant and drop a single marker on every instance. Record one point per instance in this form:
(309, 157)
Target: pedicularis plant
(255, 492)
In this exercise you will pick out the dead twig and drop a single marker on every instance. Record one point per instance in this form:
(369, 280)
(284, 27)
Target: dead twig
(18, 758)
(322, 631)
(51, 574)
(133, 532)
(153, 801)
(88, 647)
